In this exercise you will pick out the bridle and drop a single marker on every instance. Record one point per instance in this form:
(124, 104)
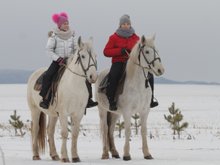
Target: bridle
(150, 63)
(141, 52)
(91, 62)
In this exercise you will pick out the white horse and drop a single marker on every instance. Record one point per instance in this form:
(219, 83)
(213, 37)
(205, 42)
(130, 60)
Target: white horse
(136, 98)
(72, 96)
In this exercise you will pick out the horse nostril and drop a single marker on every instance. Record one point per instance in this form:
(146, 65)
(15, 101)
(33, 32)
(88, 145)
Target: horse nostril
(90, 76)
(159, 71)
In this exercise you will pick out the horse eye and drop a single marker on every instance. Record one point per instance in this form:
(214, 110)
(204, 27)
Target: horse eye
(83, 56)
(147, 52)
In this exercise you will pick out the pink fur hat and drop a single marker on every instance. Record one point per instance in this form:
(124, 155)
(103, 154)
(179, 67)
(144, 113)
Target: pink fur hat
(59, 19)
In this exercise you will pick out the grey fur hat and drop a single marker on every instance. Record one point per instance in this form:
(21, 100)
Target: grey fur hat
(124, 19)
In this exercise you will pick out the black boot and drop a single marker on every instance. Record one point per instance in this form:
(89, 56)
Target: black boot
(112, 105)
(91, 103)
(44, 104)
(153, 103)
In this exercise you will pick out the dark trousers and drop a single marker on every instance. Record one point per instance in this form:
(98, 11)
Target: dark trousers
(48, 77)
(89, 86)
(115, 74)
(151, 82)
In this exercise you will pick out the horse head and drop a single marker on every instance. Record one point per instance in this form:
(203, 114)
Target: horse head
(86, 57)
(147, 56)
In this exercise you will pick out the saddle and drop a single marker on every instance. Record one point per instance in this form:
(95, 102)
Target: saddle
(54, 85)
(104, 84)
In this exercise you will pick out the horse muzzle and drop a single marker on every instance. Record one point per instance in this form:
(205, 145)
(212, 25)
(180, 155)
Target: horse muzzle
(158, 71)
(92, 78)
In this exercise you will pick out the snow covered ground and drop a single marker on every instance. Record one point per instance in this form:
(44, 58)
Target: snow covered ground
(199, 144)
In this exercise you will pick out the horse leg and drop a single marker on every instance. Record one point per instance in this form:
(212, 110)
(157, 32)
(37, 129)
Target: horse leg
(104, 132)
(75, 133)
(34, 133)
(127, 122)
(113, 150)
(64, 135)
(145, 150)
(50, 131)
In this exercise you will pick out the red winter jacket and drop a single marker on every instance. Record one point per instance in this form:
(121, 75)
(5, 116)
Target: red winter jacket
(116, 43)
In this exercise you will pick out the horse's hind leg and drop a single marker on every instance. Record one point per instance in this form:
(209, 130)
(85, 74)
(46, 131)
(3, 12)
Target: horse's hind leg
(113, 119)
(35, 113)
(50, 132)
(104, 132)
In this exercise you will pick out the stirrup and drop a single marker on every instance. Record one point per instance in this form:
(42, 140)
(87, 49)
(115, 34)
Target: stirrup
(91, 103)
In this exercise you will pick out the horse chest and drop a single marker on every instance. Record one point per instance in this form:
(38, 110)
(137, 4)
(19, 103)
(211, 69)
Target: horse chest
(135, 98)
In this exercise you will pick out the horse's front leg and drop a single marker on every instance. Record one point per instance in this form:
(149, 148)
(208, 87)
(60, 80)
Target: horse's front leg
(50, 131)
(145, 150)
(64, 135)
(75, 128)
(127, 121)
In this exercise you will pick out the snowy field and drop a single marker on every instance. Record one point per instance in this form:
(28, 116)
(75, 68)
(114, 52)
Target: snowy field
(199, 143)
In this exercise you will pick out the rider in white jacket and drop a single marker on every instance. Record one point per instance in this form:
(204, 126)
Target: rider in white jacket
(59, 47)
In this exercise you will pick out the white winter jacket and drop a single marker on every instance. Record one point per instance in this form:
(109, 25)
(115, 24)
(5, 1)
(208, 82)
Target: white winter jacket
(58, 46)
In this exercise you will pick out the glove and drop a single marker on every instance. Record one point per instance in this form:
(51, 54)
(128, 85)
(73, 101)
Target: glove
(60, 61)
(124, 51)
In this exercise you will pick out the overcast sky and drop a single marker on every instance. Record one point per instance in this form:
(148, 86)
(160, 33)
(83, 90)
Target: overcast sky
(187, 31)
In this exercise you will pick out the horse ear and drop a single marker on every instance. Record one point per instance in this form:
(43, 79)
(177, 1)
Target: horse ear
(91, 40)
(143, 40)
(80, 44)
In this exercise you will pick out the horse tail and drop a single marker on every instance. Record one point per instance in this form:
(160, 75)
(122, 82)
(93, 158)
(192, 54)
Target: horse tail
(41, 138)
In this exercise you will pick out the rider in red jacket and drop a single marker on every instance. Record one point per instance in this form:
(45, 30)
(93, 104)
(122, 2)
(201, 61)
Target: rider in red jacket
(115, 45)
(119, 44)
(118, 47)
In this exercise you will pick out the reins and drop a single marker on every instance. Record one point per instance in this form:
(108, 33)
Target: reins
(66, 66)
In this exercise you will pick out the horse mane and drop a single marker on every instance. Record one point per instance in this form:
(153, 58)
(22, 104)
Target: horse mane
(148, 42)
(70, 59)
(88, 46)
(133, 58)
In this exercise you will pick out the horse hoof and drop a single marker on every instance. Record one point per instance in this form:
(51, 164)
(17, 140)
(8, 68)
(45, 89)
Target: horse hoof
(65, 160)
(36, 158)
(105, 156)
(116, 156)
(75, 160)
(126, 158)
(55, 157)
(148, 157)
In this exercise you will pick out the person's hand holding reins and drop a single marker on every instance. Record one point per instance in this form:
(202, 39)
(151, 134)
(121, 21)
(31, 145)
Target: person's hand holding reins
(61, 61)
